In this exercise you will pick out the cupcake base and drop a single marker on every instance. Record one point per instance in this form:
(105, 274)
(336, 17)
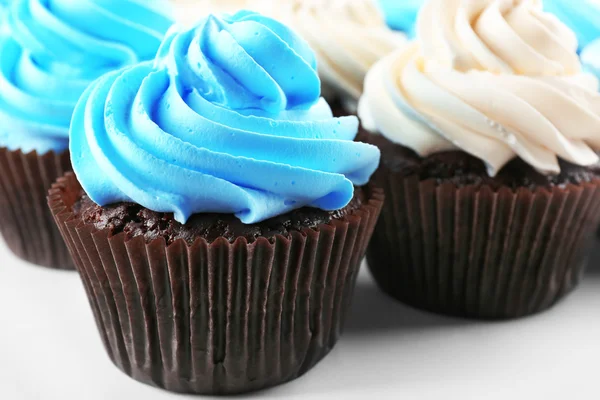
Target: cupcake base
(26, 223)
(223, 317)
(482, 250)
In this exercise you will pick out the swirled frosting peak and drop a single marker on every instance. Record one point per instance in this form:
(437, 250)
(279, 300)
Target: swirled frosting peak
(228, 119)
(51, 50)
(348, 36)
(495, 78)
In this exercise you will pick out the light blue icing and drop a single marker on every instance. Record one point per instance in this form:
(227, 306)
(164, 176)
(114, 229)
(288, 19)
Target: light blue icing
(401, 15)
(590, 58)
(581, 16)
(51, 50)
(228, 119)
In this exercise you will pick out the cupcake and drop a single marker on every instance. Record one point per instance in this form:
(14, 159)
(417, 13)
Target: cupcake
(49, 56)
(488, 129)
(401, 15)
(348, 36)
(216, 214)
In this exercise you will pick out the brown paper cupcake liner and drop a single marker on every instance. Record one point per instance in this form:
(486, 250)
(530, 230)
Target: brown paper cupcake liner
(25, 221)
(478, 253)
(220, 317)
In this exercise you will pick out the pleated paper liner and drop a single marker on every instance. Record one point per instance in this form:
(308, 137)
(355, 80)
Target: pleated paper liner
(26, 223)
(221, 317)
(478, 253)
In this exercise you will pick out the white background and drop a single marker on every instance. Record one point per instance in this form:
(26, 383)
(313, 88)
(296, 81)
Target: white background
(49, 349)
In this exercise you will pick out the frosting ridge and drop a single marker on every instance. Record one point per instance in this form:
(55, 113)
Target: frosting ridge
(349, 36)
(227, 119)
(53, 49)
(488, 77)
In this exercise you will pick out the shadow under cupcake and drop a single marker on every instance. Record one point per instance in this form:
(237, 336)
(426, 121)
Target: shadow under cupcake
(488, 165)
(215, 217)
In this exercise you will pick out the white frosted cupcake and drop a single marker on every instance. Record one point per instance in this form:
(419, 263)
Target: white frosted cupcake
(489, 131)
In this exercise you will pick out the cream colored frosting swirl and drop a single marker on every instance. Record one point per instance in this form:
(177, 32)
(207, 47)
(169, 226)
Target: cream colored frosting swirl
(348, 36)
(495, 78)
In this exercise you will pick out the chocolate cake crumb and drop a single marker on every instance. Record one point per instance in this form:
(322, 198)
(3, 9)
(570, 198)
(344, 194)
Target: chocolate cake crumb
(463, 169)
(135, 220)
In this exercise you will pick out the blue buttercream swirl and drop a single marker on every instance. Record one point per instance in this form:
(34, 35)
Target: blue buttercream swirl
(581, 16)
(51, 50)
(401, 15)
(590, 58)
(228, 119)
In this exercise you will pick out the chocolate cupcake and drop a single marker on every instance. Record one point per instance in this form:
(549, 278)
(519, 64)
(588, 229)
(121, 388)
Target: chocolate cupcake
(348, 36)
(214, 217)
(487, 127)
(49, 56)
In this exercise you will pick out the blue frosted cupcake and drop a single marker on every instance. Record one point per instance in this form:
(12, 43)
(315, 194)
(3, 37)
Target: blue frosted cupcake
(401, 15)
(51, 50)
(215, 214)
(583, 17)
(590, 57)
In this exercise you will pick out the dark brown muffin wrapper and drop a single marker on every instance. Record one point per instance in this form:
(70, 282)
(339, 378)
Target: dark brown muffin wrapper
(478, 253)
(221, 317)
(26, 223)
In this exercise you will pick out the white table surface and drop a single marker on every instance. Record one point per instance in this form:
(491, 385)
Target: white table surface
(49, 349)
